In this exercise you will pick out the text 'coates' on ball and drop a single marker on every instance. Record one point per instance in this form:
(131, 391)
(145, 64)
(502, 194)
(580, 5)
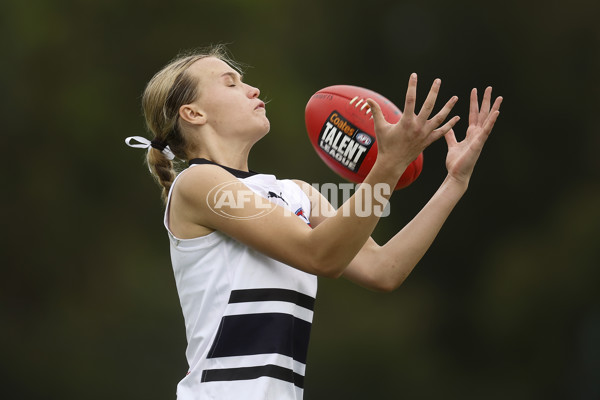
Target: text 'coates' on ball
(340, 128)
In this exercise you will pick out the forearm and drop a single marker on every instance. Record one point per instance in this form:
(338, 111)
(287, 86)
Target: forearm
(400, 255)
(338, 239)
(385, 267)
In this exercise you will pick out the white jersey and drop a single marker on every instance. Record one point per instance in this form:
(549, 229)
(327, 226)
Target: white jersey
(247, 316)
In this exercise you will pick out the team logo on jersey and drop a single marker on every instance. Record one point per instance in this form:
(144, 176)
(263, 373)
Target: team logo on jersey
(300, 212)
(277, 196)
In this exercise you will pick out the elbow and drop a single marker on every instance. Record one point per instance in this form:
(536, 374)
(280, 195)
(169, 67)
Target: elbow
(332, 273)
(326, 267)
(386, 282)
(386, 286)
(328, 271)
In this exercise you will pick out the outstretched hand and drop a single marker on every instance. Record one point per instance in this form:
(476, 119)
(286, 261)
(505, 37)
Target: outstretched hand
(463, 155)
(404, 141)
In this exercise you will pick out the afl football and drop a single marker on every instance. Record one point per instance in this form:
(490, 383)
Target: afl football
(341, 130)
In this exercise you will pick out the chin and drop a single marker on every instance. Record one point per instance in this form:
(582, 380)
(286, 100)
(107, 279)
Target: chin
(267, 127)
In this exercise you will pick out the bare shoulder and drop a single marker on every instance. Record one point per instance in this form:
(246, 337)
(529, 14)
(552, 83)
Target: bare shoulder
(201, 179)
(189, 210)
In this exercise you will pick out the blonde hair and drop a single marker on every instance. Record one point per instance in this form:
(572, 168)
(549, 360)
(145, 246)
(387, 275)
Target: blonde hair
(166, 92)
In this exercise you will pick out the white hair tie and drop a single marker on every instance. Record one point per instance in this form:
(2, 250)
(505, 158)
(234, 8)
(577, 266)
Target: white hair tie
(144, 143)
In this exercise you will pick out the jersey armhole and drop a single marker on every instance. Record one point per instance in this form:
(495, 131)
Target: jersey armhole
(166, 219)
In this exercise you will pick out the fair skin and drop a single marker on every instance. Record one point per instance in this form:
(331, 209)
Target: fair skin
(228, 119)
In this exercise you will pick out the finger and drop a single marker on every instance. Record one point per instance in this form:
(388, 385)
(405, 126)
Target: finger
(378, 118)
(441, 116)
(487, 95)
(497, 103)
(444, 129)
(450, 138)
(473, 108)
(485, 105)
(489, 123)
(430, 101)
(411, 95)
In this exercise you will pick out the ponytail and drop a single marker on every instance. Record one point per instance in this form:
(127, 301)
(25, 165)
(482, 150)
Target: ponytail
(162, 170)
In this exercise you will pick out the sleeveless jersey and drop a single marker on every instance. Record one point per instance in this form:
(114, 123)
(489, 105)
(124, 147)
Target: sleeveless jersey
(247, 316)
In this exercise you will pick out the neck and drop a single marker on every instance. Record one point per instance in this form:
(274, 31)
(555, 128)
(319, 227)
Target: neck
(224, 151)
(235, 161)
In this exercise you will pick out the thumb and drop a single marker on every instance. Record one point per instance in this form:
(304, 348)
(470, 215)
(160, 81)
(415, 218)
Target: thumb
(450, 138)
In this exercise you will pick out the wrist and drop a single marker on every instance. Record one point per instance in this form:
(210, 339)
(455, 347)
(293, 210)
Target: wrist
(389, 167)
(460, 185)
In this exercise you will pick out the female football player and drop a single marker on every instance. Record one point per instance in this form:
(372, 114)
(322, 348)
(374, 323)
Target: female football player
(247, 248)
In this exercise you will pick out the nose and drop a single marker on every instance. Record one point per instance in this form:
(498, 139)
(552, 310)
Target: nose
(253, 92)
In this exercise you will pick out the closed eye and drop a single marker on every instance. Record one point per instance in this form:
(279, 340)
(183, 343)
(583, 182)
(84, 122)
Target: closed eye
(231, 79)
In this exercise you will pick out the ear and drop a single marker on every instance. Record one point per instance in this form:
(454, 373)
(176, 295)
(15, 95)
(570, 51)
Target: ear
(193, 114)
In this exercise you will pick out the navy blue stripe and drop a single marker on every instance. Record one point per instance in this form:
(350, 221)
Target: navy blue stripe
(268, 333)
(247, 373)
(290, 296)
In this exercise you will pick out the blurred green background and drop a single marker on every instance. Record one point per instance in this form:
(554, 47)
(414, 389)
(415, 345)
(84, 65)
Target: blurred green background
(506, 304)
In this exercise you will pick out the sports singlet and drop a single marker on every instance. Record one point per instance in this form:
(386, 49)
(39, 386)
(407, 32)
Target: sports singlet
(247, 316)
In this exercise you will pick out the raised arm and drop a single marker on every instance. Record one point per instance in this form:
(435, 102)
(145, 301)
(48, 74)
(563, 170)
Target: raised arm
(328, 248)
(385, 268)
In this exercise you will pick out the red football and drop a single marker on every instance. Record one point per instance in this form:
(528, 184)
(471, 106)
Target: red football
(340, 128)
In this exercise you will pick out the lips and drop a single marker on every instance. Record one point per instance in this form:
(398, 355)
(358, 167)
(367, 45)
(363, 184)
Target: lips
(260, 105)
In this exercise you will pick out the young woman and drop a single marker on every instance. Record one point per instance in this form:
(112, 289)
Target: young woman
(247, 248)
